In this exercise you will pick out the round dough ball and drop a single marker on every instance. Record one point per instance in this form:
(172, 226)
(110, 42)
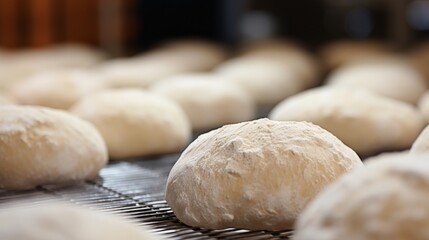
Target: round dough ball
(41, 146)
(135, 72)
(60, 221)
(56, 89)
(366, 122)
(207, 101)
(291, 55)
(256, 175)
(421, 144)
(390, 78)
(387, 200)
(338, 53)
(387, 156)
(267, 81)
(135, 123)
(193, 54)
(423, 105)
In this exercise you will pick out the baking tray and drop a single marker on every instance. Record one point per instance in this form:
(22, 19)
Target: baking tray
(135, 189)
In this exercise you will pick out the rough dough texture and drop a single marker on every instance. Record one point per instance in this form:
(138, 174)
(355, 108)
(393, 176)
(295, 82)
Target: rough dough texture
(267, 81)
(391, 78)
(255, 175)
(423, 105)
(366, 122)
(421, 144)
(41, 146)
(56, 89)
(135, 123)
(60, 221)
(207, 101)
(387, 200)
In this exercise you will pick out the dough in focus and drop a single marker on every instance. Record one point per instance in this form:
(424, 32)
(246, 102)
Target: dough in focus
(208, 101)
(256, 175)
(386, 200)
(364, 121)
(135, 123)
(41, 146)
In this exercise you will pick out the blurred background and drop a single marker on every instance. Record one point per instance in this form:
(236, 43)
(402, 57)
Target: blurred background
(124, 27)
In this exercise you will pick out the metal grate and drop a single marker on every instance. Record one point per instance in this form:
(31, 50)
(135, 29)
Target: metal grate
(135, 189)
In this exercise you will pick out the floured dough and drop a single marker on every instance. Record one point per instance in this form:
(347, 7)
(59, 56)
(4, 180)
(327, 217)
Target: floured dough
(61, 221)
(208, 101)
(421, 144)
(387, 200)
(391, 78)
(56, 89)
(366, 122)
(267, 81)
(255, 175)
(44, 146)
(135, 123)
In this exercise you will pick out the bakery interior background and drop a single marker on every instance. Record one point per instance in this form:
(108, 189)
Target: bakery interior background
(124, 27)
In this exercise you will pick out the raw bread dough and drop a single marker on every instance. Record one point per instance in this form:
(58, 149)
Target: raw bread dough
(6, 99)
(366, 122)
(390, 78)
(338, 53)
(421, 144)
(135, 123)
(423, 105)
(387, 200)
(45, 146)
(291, 55)
(268, 81)
(255, 175)
(56, 89)
(208, 101)
(60, 221)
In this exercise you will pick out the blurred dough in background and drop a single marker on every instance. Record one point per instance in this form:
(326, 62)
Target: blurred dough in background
(62, 221)
(290, 54)
(56, 88)
(419, 58)
(364, 121)
(421, 144)
(338, 53)
(391, 78)
(169, 59)
(19, 65)
(387, 156)
(6, 99)
(423, 105)
(136, 123)
(208, 101)
(267, 81)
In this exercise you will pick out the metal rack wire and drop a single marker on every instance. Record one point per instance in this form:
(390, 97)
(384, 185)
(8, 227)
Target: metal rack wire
(135, 189)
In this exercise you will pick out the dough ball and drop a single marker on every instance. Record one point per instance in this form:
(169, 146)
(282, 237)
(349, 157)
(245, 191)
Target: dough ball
(391, 78)
(135, 72)
(387, 156)
(421, 144)
(135, 123)
(56, 89)
(418, 57)
(338, 53)
(6, 99)
(423, 105)
(207, 101)
(387, 200)
(267, 81)
(41, 146)
(60, 221)
(193, 54)
(256, 175)
(293, 57)
(366, 122)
